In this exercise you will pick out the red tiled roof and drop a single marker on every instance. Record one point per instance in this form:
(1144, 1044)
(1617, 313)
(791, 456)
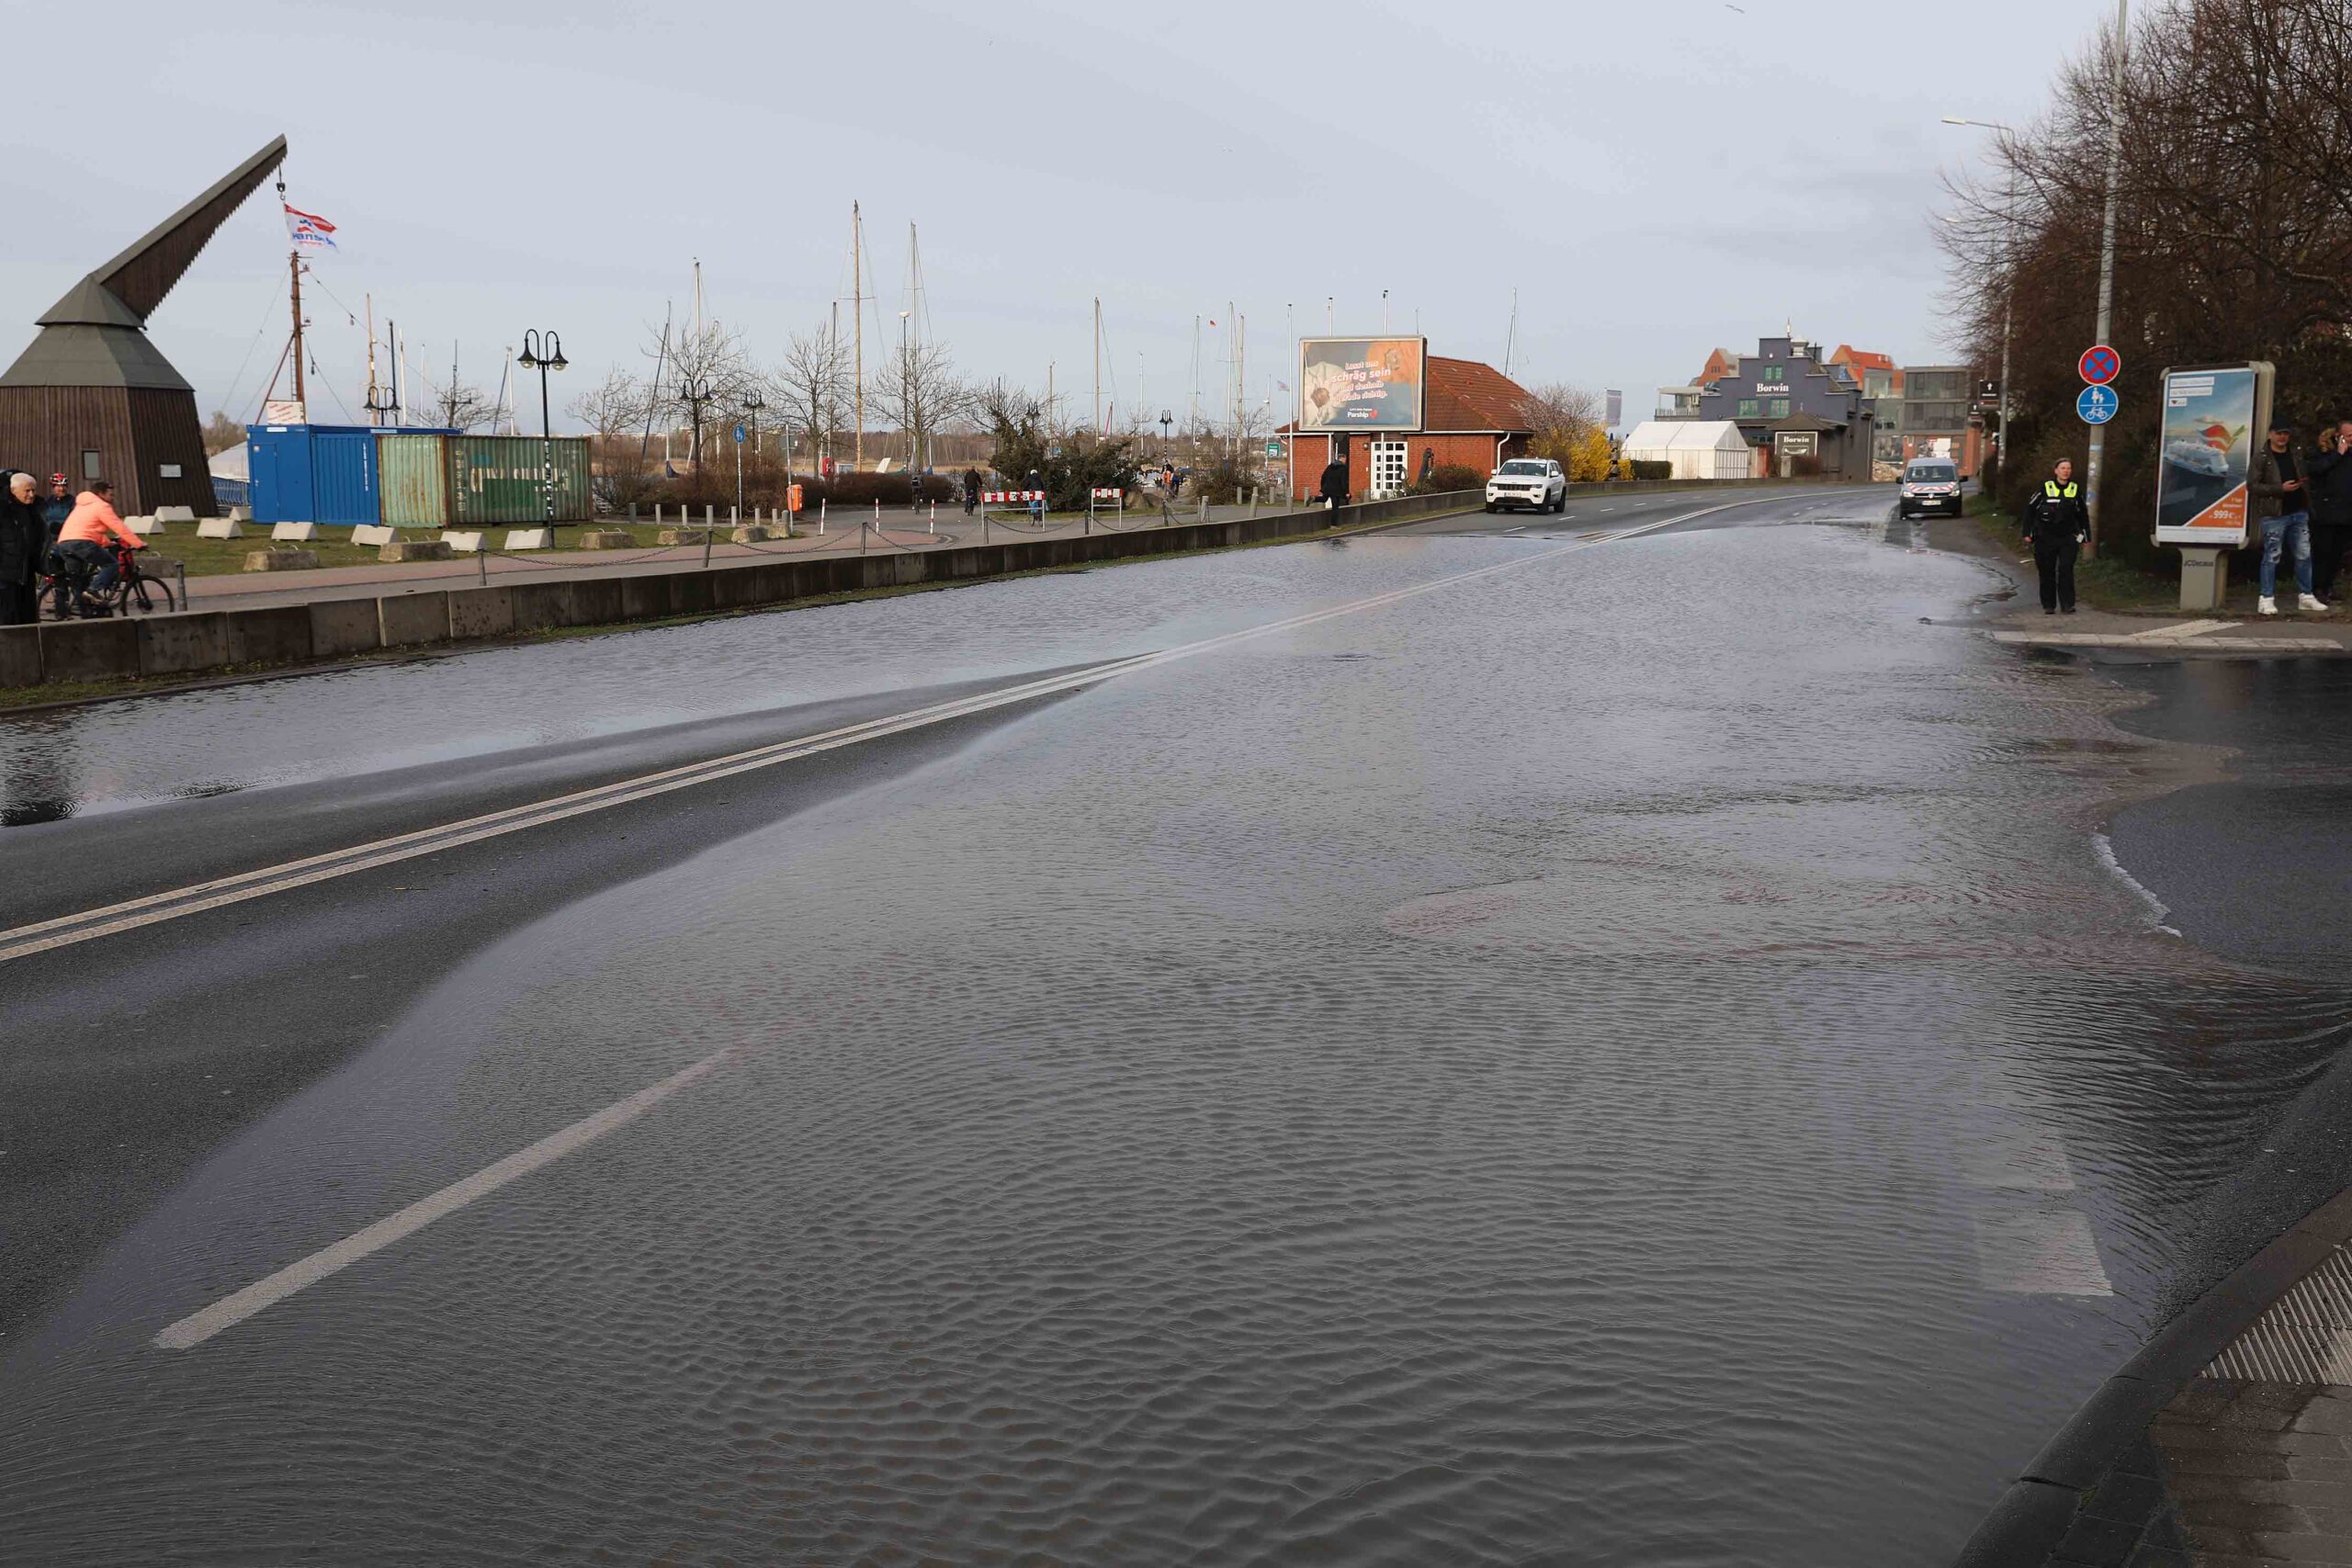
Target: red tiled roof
(1722, 362)
(1861, 358)
(1464, 395)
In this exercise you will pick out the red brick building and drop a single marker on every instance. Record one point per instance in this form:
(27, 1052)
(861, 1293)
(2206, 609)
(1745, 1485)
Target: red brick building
(1471, 417)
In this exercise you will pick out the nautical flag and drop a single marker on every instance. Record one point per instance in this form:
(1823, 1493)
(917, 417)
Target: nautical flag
(308, 228)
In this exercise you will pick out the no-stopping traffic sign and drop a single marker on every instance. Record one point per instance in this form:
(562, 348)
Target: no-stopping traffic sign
(2101, 365)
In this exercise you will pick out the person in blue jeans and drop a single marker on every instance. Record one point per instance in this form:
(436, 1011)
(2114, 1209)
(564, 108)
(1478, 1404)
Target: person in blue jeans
(2281, 493)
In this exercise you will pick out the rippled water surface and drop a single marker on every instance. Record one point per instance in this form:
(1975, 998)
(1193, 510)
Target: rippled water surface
(1632, 1060)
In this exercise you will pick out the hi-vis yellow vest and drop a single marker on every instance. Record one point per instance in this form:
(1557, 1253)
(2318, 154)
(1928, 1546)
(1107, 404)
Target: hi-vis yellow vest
(2051, 489)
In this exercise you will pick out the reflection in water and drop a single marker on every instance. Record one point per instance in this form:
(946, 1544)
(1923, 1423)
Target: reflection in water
(1601, 1080)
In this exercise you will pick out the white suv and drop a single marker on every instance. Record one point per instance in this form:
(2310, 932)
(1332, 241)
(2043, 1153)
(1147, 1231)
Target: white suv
(1534, 482)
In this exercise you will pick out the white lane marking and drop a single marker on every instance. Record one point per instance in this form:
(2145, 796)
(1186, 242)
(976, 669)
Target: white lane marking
(2047, 1252)
(2103, 848)
(2013, 1158)
(229, 1311)
(88, 925)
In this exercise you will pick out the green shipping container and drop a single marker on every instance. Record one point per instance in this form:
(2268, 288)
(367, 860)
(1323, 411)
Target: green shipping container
(496, 480)
(412, 480)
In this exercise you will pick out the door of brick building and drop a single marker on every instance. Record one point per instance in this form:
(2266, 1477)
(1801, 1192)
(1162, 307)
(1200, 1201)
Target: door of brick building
(1387, 469)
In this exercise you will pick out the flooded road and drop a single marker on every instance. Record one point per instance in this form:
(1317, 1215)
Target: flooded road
(1631, 1057)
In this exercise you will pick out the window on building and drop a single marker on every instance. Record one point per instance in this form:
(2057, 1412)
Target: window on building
(1775, 373)
(90, 468)
(1779, 407)
(1747, 407)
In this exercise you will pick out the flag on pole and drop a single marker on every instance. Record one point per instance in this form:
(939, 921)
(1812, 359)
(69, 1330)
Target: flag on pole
(308, 228)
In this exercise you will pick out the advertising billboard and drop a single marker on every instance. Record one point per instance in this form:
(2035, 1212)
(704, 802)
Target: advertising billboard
(2212, 417)
(1361, 383)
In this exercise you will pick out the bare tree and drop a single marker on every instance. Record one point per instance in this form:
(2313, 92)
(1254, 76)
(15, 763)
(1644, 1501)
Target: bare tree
(455, 405)
(920, 392)
(220, 433)
(701, 372)
(613, 411)
(808, 386)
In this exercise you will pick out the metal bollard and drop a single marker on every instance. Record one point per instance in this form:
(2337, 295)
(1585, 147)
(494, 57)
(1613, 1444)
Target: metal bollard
(934, 517)
(821, 504)
(709, 515)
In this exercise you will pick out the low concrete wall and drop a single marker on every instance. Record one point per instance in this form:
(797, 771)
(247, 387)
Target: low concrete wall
(336, 628)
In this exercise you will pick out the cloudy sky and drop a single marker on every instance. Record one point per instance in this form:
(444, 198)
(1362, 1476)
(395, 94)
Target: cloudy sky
(1653, 179)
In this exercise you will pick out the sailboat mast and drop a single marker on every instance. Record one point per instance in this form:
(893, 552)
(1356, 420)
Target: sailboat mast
(375, 415)
(294, 269)
(1097, 365)
(1511, 338)
(858, 304)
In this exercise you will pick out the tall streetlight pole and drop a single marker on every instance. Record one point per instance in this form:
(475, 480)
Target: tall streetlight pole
(752, 405)
(2009, 285)
(2106, 255)
(543, 353)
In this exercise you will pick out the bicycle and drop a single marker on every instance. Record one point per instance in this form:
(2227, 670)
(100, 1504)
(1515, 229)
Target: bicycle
(63, 586)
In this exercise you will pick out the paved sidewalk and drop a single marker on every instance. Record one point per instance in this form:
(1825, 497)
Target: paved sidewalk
(2187, 631)
(898, 533)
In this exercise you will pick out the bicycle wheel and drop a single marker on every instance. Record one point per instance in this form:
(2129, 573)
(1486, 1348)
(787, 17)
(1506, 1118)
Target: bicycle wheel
(147, 594)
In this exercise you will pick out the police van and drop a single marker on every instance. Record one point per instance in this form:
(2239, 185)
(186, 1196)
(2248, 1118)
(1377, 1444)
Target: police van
(1930, 484)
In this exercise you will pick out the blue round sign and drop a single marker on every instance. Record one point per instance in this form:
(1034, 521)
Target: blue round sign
(2098, 404)
(738, 435)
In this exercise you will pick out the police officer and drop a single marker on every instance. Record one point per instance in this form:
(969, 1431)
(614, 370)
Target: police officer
(2056, 522)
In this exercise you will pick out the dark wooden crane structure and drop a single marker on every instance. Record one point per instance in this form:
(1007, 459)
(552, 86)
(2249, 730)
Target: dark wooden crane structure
(93, 397)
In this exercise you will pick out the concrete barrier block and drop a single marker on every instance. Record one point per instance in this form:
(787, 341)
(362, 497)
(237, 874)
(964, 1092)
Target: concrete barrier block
(293, 532)
(275, 560)
(279, 634)
(219, 528)
(143, 526)
(88, 650)
(176, 515)
(606, 539)
(416, 549)
(403, 620)
(682, 535)
(481, 611)
(373, 535)
(464, 542)
(20, 656)
(241, 515)
(339, 627)
(750, 534)
(175, 645)
(539, 605)
(530, 538)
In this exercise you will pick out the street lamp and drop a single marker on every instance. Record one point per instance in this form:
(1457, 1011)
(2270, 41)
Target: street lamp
(2009, 288)
(694, 390)
(752, 403)
(543, 353)
(1166, 419)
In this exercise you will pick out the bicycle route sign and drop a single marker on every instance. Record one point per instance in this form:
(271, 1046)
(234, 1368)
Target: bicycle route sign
(2098, 404)
(2101, 365)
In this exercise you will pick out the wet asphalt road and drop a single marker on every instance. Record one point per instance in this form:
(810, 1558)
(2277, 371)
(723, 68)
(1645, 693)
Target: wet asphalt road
(1631, 1056)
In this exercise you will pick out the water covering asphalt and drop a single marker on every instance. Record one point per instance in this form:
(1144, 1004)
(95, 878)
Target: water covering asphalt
(1631, 1059)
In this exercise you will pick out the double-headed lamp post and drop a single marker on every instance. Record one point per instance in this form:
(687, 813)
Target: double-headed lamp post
(752, 405)
(2010, 284)
(543, 351)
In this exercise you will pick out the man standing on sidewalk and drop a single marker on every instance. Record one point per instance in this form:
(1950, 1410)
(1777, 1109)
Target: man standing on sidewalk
(2282, 508)
(2055, 522)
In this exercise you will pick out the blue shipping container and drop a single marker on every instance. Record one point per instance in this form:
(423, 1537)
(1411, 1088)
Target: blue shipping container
(311, 473)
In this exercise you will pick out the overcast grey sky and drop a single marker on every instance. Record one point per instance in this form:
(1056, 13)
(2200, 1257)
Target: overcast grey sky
(1653, 178)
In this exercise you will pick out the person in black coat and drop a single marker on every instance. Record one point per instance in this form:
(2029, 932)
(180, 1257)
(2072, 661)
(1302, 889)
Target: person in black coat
(971, 490)
(23, 543)
(2331, 473)
(1334, 487)
(2056, 522)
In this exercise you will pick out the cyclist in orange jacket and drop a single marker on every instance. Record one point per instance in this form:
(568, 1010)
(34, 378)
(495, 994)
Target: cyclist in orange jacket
(84, 538)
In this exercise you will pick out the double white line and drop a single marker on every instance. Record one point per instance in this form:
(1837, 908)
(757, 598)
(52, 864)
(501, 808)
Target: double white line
(91, 925)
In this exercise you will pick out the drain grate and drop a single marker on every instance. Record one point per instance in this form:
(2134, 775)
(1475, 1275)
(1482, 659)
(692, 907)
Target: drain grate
(2305, 1337)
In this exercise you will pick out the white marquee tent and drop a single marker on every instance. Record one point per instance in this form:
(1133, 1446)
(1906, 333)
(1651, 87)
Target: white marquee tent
(1699, 449)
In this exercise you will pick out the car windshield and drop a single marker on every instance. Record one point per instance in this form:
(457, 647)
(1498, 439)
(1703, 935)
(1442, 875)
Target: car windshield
(1521, 466)
(1933, 474)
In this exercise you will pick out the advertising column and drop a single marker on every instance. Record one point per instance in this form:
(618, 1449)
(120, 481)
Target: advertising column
(2212, 416)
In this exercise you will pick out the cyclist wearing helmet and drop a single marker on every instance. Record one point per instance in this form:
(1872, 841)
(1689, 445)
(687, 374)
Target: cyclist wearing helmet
(55, 508)
(83, 539)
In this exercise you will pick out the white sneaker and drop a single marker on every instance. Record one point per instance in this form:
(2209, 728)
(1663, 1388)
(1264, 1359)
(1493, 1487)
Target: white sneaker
(2265, 606)
(2309, 602)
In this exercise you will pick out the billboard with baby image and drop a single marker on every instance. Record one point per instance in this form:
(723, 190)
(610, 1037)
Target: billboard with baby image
(1361, 383)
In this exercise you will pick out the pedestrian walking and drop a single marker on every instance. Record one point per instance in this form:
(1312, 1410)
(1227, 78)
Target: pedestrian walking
(1175, 481)
(2330, 474)
(971, 490)
(2056, 522)
(1334, 487)
(2282, 507)
(24, 545)
(1036, 488)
